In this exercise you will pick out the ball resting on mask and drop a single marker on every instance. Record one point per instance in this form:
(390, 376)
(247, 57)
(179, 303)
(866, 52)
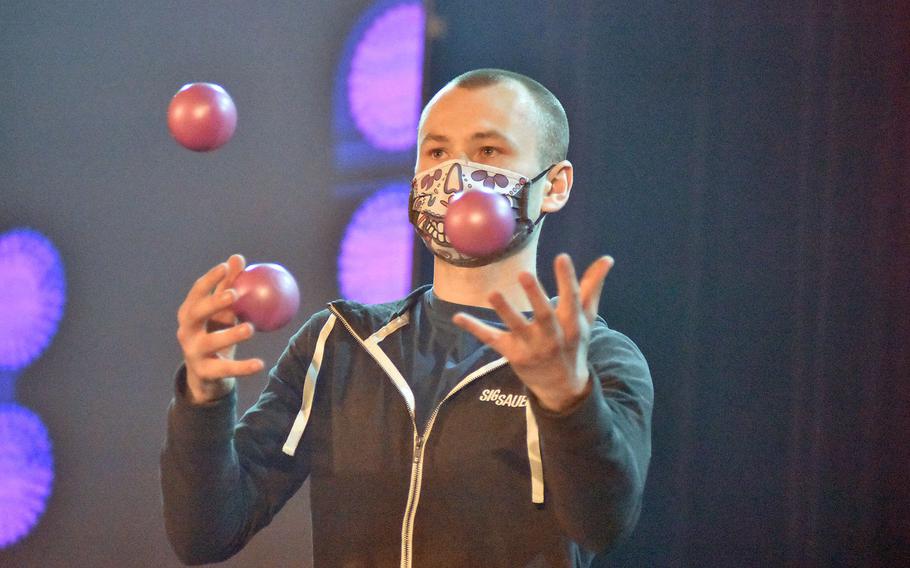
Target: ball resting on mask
(479, 222)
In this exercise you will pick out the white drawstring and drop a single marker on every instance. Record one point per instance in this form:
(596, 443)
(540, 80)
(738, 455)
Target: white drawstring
(309, 390)
(534, 457)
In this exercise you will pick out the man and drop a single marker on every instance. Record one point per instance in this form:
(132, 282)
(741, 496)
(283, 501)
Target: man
(474, 423)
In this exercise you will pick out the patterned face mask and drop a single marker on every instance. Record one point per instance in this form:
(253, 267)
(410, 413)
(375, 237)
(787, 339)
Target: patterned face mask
(429, 199)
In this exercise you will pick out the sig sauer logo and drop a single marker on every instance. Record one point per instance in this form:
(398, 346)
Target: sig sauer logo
(497, 397)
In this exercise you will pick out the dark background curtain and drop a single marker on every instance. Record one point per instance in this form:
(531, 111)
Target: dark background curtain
(747, 165)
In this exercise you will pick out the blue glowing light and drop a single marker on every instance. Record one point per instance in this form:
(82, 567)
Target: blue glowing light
(32, 294)
(374, 264)
(26, 472)
(8, 385)
(385, 76)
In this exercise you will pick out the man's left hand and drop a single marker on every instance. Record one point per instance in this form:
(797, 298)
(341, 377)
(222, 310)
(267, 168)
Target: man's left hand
(549, 353)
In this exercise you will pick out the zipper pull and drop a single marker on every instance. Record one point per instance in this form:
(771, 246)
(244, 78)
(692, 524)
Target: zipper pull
(417, 449)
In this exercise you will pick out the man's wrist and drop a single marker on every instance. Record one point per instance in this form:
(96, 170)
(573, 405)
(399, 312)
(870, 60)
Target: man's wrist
(565, 399)
(200, 392)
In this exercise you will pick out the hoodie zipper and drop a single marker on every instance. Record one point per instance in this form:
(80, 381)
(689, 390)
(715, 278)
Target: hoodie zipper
(407, 531)
(419, 443)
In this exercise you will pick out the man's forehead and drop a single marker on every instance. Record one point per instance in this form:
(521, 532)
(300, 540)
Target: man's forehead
(497, 108)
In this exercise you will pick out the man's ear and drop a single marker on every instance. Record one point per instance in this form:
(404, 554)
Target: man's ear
(557, 191)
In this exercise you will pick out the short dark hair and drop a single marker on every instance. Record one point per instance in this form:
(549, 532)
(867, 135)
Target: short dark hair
(553, 142)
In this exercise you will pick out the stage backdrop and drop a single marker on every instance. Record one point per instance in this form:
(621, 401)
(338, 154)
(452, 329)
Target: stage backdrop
(747, 166)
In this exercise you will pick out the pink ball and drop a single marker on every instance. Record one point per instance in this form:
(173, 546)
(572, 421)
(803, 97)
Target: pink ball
(202, 117)
(479, 222)
(267, 296)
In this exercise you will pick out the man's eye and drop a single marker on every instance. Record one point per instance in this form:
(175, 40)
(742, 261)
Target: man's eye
(488, 151)
(436, 153)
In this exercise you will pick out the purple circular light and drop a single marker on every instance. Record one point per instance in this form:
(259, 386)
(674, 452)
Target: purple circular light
(384, 82)
(32, 294)
(374, 264)
(26, 472)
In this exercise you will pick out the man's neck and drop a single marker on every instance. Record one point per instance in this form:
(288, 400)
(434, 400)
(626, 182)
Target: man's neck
(473, 286)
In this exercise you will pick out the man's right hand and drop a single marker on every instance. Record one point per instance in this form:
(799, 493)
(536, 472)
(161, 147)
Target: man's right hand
(208, 334)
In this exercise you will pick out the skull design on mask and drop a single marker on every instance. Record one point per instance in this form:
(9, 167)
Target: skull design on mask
(429, 200)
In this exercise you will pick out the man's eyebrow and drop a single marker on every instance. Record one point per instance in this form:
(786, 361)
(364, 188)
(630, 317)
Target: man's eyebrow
(483, 135)
(490, 134)
(434, 138)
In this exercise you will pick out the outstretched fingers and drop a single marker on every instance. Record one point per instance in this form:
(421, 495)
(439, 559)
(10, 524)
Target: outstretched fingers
(190, 315)
(205, 283)
(567, 283)
(543, 311)
(217, 341)
(224, 317)
(218, 368)
(487, 334)
(515, 320)
(235, 265)
(592, 284)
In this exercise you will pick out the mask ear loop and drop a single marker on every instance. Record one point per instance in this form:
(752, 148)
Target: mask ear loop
(525, 198)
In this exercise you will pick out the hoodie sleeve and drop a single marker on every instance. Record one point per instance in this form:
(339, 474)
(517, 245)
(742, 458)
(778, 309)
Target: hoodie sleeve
(596, 454)
(223, 480)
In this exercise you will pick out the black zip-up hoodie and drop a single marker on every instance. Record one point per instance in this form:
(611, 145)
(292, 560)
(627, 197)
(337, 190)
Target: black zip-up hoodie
(492, 480)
